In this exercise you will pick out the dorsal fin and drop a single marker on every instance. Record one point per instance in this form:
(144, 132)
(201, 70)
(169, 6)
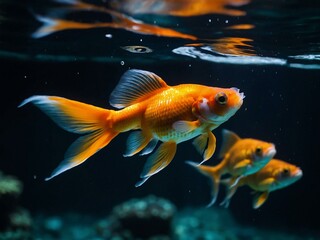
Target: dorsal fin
(228, 140)
(133, 85)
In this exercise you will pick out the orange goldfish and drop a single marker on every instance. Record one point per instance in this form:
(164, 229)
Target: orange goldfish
(275, 175)
(241, 157)
(171, 114)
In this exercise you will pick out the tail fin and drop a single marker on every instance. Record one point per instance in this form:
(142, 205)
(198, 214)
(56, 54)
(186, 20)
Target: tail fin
(214, 173)
(52, 25)
(78, 118)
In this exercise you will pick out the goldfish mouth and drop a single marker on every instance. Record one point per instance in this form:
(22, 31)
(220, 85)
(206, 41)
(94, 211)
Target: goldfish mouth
(271, 151)
(298, 173)
(241, 94)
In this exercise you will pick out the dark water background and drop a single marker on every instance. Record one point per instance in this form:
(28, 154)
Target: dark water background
(281, 106)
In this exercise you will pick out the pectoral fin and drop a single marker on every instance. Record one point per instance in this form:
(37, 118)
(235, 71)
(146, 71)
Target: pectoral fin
(158, 161)
(266, 183)
(185, 126)
(205, 145)
(259, 199)
(242, 164)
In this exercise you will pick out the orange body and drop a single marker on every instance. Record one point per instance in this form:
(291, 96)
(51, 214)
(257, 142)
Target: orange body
(240, 158)
(156, 114)
(275, 175)
(146, 103)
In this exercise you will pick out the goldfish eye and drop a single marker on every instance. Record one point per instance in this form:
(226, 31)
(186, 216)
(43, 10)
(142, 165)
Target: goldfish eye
(221, 98)
(258, 151)
(285, 172)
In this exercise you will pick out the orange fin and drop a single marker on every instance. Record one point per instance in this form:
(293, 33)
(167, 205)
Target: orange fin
(206, 145)
(135, 143)
(260, 199)
(78, 118)
(83, 148)
(158, 161)
(134, 86)
(72, 116)
(214, 173)
(228, 140)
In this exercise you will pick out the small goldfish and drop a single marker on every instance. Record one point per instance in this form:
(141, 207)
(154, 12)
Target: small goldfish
(275, 175)
(158, 112)
(241, 157)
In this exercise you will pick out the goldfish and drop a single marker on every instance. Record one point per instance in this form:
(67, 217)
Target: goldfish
(154, 110)
(240, 157)
(277, 174)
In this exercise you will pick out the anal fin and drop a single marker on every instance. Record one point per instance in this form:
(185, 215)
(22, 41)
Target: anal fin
(158, 160)
(260, 199)
(136, 142)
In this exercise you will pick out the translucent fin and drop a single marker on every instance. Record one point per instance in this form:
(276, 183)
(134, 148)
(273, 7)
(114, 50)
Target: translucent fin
(235, 181)
(228, 140)
(185, 126)
(150, 147)
(72, 116)
(135, 85)
(78, 118)
(205, 145)
(52, 25)
(260, 199)
(200, 143)
(214, 173)
(159, 159)
(83, 148)
(142, 181)
(230, 191)
(135, 143)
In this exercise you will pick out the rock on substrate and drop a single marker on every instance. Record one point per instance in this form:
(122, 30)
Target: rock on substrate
(144, 218)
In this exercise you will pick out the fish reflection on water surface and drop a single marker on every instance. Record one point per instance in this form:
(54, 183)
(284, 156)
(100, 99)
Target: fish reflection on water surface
(125, 15)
